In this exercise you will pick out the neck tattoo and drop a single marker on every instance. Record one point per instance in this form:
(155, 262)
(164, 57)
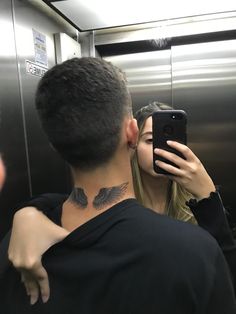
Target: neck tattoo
(78, 197)
(105, 196)
(108, 196)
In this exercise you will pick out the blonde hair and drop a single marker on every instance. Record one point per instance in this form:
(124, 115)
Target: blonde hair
(177, 196)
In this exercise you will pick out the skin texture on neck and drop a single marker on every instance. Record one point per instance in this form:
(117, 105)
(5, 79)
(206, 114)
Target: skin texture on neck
(96, 192)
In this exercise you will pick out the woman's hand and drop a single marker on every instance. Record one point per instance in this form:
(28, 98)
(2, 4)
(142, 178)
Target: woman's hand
(191, 173)
(32, 234)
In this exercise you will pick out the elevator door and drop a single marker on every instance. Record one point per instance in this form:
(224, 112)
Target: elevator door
(200, 79)
(148, 75)
(204, 84)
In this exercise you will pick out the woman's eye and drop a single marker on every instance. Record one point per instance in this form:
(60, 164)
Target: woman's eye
(149, 141)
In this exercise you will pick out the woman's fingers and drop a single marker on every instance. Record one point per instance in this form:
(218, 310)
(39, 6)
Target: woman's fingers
(183, 149)
(170, 157)
(189, 160)
(36, 283)
(41, 278)
(31, 286)
(25, 252)
(189, 172)
(174, 171)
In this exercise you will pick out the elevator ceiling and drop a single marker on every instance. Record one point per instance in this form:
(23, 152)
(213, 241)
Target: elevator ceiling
(94, 14)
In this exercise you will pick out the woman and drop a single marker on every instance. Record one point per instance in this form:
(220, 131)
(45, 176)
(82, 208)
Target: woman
(169, 197)
(187, 194)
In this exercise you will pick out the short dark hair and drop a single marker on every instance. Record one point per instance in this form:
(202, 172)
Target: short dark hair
(81, 103)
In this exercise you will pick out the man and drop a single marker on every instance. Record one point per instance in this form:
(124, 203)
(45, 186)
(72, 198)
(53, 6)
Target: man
(119, 257)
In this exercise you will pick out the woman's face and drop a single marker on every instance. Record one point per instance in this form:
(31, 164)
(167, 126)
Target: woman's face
(145, 150)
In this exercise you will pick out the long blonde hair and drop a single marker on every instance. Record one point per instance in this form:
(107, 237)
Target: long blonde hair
(177, 196)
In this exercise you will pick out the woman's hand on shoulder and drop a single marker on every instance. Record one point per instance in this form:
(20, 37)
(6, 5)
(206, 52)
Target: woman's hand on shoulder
(32, 234)
(190, 173)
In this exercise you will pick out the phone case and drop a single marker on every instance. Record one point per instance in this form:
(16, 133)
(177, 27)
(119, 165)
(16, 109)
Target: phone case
(168, 125)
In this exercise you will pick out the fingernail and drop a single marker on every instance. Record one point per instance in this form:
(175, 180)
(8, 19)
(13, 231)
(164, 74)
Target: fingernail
(45, 298)
(33, 300)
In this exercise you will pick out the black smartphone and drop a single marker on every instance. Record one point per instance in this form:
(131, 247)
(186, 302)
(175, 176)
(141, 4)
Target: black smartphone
(168, 125)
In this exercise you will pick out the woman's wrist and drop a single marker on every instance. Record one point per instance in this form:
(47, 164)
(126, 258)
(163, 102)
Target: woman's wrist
(205, 191)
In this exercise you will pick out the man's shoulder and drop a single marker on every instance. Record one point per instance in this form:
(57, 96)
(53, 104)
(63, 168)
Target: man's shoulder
(171, 231)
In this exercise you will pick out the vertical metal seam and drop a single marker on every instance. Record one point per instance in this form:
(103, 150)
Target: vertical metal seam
(22, 100)
(171, 76)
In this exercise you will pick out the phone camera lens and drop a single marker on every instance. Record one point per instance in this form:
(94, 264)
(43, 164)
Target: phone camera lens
(176, 116)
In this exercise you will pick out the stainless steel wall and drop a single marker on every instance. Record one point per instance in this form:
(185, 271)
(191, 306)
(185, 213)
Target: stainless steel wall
(204, 84)
(148, 75)
(201, 79)
(12, 134)
(32, 165)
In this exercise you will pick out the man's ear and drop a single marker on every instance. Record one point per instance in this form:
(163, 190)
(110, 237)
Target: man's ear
(132, 133)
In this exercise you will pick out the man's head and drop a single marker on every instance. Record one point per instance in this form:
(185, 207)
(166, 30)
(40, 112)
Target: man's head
(81, 104)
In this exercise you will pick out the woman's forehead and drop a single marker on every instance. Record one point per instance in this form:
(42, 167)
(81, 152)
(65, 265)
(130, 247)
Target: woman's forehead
(148, 125)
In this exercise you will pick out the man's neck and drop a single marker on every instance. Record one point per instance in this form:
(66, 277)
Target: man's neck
(95, 192)
(106, 196)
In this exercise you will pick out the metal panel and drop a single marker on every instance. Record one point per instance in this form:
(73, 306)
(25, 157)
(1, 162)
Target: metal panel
(148, 75)
(12, 141)
(204, 84)
(66, 47)
(32, 165)
(47, 170)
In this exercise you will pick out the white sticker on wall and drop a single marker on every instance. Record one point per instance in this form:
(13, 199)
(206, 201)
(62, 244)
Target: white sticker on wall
(40, 48)
(34, 69)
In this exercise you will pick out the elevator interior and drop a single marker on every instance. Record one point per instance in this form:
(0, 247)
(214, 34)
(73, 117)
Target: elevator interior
(188, 63)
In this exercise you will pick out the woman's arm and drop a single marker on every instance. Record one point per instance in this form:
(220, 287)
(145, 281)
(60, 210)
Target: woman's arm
(32, 234)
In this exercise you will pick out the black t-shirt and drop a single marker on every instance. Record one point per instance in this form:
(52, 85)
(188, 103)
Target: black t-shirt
(209, 213)
(129, 260)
